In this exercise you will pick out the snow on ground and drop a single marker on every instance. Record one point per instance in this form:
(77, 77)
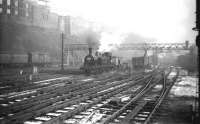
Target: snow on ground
(186, 86)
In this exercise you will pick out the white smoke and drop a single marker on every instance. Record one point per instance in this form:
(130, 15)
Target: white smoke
(164, 20)
(110, 41)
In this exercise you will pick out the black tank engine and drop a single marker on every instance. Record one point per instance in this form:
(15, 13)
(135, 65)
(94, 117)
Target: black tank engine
(100, 62)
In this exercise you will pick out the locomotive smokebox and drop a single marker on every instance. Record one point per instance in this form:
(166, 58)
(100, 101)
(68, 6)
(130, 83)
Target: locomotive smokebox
(90, 51)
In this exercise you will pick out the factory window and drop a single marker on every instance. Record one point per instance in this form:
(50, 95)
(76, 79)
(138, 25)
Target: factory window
(16, 3)
(27, 5)
(1, 10)
(16, 12)
(26, 13)
(8, 11)
(8, 2)
(1, 1)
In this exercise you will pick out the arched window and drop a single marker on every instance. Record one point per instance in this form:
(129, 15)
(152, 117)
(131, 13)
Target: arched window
(16, 3)
(8, 2)
(8, 10)
(1, 9)
(16, 12)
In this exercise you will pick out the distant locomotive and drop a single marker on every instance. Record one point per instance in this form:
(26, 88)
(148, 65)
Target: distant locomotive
(100, 62)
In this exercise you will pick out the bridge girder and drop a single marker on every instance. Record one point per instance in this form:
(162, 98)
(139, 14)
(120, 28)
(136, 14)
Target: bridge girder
(134, 46)
(152, 46)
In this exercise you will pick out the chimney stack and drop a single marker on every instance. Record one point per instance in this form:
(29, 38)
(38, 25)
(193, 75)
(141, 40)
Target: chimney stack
(90, 51)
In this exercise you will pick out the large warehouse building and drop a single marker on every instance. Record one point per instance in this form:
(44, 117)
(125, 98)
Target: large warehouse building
(35, 29)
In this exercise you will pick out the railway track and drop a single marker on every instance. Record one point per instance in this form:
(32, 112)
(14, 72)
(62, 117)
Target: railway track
(77, 93)
(99, 98)
(21, 85)
(105, 112)
(49, 93)
(139, 109)
(22, 82)
(94, 99)
(80, 101)
(148, 105)
(43, 81)
(51, 96)
(43, 86)
(155, 111)
(109, 109)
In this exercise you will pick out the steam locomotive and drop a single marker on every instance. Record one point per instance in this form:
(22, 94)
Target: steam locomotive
(100, 62)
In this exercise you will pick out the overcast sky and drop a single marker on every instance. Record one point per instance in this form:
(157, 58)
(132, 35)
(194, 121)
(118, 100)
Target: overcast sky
(163, 20)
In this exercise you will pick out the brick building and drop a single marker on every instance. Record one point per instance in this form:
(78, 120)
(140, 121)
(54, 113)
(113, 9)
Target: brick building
(26, 26)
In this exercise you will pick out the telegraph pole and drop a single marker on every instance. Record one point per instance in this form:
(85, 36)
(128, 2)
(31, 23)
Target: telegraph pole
(63, 32)
(62, 51)
(198, 44)
(197, 28)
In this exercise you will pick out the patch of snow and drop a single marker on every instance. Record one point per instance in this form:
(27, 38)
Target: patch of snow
(186, 87)
(145, 112)
(94, 107)
(4, 87)
(116, 120)
(18, 100)
(89, 101)
(83, 103)
(88, 79)
(78, 116)
(33, 122)
(92, 118)
(90, 110)
(85, 113)
(54, 114)
(171, 75)
(69, 108)
(121, 116)
(99, 105)
(75, 106)
(70, 121)
(11, 102)
(143, 115)
(62, 111)
(43, 118)
(4, 105)
(10, 114)
(140, 118)
(124, 99)
(159, 86)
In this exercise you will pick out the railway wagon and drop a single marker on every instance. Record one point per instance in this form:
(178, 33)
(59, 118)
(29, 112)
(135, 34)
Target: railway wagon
(24, 59)
(138, 62)
(142, 62)
(13, 58)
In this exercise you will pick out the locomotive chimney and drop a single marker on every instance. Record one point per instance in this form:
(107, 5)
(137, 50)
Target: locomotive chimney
(90, 51)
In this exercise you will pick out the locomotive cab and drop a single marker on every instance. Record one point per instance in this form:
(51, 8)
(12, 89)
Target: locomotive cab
(88, 62)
